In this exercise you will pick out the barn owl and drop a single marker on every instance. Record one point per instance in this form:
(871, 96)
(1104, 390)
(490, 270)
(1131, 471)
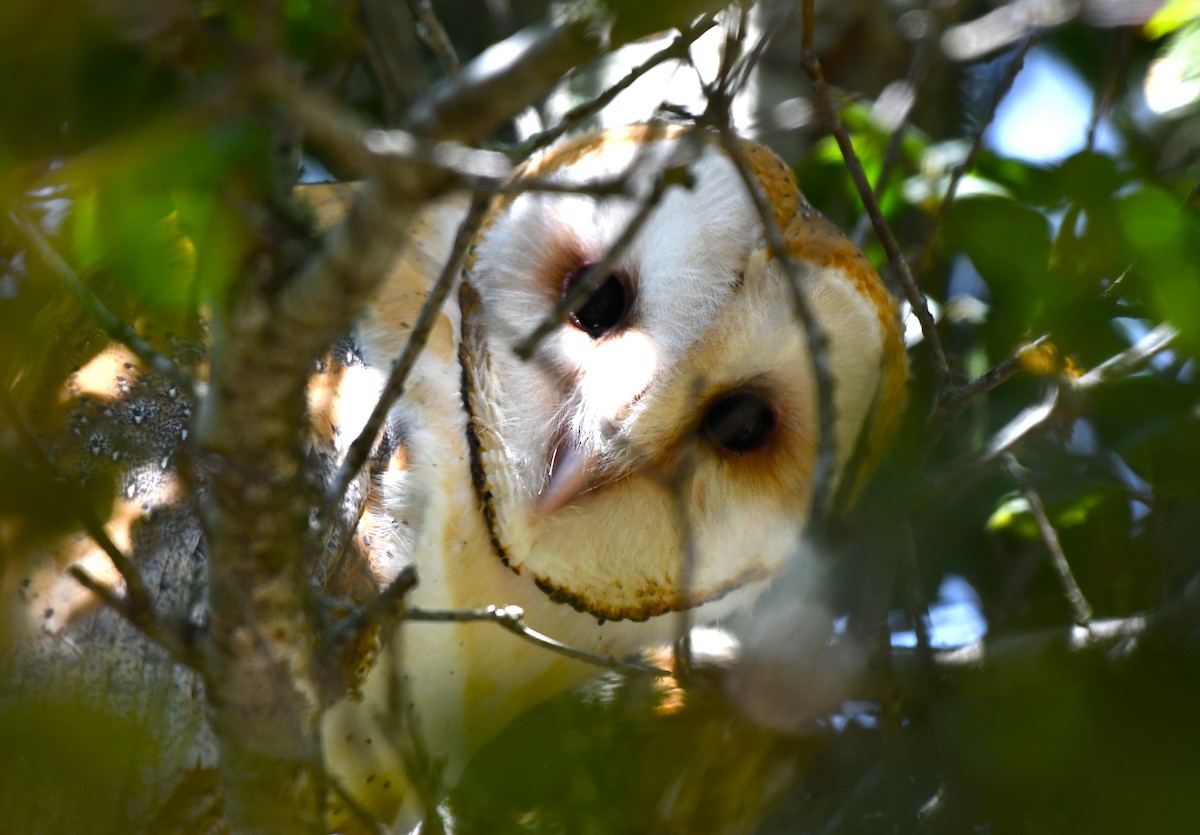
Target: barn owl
(673, 413)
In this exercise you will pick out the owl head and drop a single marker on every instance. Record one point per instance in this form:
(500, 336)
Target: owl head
(675, 410)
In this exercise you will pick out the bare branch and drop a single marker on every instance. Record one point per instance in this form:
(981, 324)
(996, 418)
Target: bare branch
(676, 484)
(105, 318)
(360, 450)
(1114, 638)
(1098, 635)
(918, 72)
(380, 608)
(389, 43)
(145, 620)
(1129, 360)
(137, 605)
(1060, 398)
(424, 771)
(510, 75)
(1114, 76)
(597, 273)
(1010, 75)
(365, 818)
(963, 396)
(812, 66)
(609, 187)
(677, 50)
(780, 17)
(814, 336)
(512, 618)
(914, 602)
(375, 152)
(1012, 21)
(1080, 608)
(430, 29)
(251, 425)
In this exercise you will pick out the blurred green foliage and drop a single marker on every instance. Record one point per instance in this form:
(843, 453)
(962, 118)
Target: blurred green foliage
(70, 756)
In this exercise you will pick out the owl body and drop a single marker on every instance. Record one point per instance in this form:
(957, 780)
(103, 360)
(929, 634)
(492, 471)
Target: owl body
(655, 454)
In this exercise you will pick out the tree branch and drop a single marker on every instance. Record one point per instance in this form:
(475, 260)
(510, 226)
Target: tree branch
(677, 50)
(512, 618)
(1059, 400)
(511, 75)
(1080, 608)
(812, 66)
(814, 336)
(1010, 75)
(109, 322)
(360, 449)
(144, 619)
(598, 273)
(958, 399)
(430, 29)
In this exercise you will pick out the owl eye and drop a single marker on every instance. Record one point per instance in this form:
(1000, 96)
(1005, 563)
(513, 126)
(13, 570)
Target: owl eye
(604, 309)
(739, 422)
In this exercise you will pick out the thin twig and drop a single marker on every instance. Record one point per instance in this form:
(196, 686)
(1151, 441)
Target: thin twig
(1080, 608)
(676, 50)
(597, 273)
(812, 66)
(431, 31)
(404, 738)
(676, 483)
(143, 619)
(512, 74)
(374, 152)
(726, 86)
(424, 770)
(956, 176)
(1001, 653)
(914, 602)
(918, 70)
(747, 63)
(1061, 397)
(1129, 360)
(606, 187)
(384, 38)
(383, 605)
(717, 114)
(360, 450)
(512, 618)
(105, 318)
(1030, 423)
(370, 824)
(1114, 75)
(963, 396)
(814, 335)
(467, 164)
(137, 605)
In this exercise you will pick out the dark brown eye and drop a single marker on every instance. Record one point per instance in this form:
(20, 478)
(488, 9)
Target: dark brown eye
(604, 309)
(739, 422)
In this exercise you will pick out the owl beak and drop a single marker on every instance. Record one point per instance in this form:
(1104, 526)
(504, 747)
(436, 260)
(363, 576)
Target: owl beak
(571, 473)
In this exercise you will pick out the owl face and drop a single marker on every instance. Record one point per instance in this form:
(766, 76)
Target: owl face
(676, 408)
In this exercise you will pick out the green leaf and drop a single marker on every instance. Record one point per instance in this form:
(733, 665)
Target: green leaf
(1173, 14)
(1009, 244)
(1165, 241)
(161, 214)
(1013, 514)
